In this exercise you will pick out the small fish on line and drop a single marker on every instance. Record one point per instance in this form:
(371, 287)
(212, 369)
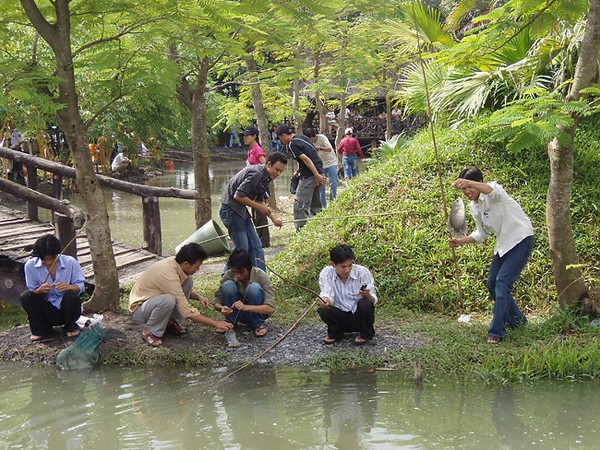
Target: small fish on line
(231, 339)
(457, 220)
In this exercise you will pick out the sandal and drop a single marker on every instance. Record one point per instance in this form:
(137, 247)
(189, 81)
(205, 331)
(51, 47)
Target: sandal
(494, 340)
(359, 340)
(174, 328)
(73, 333)
(38, 339)
(260, 331)
(151, 340)
(329, 340)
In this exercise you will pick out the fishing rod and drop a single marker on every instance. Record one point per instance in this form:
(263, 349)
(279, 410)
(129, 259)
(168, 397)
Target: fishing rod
(437, 159)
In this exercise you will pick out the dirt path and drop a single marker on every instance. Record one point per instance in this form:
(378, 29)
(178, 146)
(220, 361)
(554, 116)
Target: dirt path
(302, 347)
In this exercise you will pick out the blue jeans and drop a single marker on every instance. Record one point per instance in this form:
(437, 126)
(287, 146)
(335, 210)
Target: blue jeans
(350, 163)
(254, 296)
(234, 139)
(504, 271)
(332, 174)
(243, 234)
(275, 145)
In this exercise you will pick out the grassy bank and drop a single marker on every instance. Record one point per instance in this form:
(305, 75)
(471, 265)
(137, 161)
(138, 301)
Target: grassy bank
(407, 250)
(393, 218)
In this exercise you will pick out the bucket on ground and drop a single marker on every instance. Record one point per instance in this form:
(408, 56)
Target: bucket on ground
(210, 237)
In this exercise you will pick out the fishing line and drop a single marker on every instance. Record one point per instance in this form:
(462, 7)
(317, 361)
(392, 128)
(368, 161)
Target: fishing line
(61, 252)
(309, 219)
(284, 335)
(437, 158)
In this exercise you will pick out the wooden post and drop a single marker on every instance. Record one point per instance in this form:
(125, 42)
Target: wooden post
(65, 232)
(57, 191)
(152, 228)
(32, 207)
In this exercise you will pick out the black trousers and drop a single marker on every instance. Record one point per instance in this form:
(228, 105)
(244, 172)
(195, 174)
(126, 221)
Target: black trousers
(339, 322)
(44, 315)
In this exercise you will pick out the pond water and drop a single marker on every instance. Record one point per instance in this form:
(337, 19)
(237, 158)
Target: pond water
(177, 215)
(286, 409)
(266, 408)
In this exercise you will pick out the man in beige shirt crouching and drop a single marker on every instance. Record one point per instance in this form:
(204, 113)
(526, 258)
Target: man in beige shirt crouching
(160, 297)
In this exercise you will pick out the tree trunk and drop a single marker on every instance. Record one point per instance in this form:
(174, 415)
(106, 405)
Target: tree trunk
(388, 116)
(570, 285)
(569, 282)
(319, 103)
(261, 117)
(200, 146)
(194, 100)
(296, 105)
(341, 119)
(58, 36)
(257, 102)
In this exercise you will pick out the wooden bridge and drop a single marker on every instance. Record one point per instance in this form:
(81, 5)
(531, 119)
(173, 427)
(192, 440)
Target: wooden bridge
(18, 231)
(17, 235)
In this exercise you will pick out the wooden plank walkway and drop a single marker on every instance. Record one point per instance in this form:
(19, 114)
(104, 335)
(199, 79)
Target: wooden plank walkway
(17, 235)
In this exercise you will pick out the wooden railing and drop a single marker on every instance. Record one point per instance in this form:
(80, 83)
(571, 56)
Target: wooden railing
(149, 195)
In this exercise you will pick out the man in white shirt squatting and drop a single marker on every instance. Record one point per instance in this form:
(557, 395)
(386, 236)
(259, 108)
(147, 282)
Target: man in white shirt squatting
(348, 297)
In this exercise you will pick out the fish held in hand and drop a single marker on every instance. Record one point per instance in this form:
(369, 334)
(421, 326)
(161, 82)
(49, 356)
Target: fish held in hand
(457, 220)
(231, 339)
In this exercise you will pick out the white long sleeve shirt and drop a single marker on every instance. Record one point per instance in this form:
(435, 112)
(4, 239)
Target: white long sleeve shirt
(498, 213)
(342, 295)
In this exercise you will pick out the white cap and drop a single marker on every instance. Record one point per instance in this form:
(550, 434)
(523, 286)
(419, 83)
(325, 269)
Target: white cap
(348, 131)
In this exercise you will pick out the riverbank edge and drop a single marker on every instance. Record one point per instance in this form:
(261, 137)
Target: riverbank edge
(435, 345)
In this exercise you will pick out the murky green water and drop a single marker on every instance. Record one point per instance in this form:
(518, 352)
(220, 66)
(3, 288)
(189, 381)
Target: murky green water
(177, 215)
(286, 409)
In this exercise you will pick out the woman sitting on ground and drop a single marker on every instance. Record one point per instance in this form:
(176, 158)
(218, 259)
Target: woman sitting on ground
(54, 283)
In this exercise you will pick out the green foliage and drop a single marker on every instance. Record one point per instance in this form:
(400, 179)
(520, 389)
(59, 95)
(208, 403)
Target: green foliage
(566, 357)
(11, 315)
(389, 148)
(516, 49)
(537, 351)
(144, 355)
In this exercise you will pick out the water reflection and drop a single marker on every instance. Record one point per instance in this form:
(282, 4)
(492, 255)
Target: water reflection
(291, 408)
(350, 407)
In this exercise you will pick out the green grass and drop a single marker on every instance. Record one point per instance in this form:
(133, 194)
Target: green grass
(407, 250)
(144, 355)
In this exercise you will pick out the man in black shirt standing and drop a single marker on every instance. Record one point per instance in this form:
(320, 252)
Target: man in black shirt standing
(307, 202)
(249, 187)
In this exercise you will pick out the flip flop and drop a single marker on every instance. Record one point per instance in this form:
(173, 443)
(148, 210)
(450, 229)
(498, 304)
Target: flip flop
(151, 340)
(260, 331)
(73, 333)
(40, 339)
(494, 340)
(359, 340)
(329, 340)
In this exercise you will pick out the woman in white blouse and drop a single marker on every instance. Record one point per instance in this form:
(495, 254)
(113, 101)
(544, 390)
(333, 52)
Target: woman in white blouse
(496, 212)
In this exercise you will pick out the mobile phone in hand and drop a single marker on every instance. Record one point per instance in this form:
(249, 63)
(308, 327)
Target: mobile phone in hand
(363, 287)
